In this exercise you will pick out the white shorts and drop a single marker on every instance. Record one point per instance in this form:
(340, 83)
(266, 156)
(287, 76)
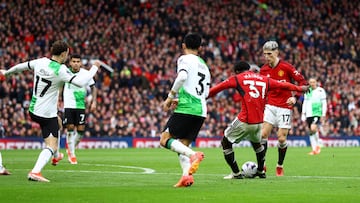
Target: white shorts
(238, 131)
(277, 116)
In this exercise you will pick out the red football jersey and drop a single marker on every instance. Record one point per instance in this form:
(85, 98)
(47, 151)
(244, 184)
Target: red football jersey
(253, 89)
(283, 72)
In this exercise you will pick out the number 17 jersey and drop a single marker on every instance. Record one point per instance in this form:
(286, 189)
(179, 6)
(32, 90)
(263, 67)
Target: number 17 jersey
(49, 75)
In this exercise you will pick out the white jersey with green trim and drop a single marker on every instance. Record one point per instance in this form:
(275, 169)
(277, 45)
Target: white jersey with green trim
(315, 103)
(74, 96)
(49, 76)
(192, 95)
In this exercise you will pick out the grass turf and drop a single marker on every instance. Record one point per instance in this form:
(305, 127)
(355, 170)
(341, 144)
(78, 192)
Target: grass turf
(147, 175)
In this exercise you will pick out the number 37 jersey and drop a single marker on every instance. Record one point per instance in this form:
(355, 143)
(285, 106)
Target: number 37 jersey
(192, 95)
(49, 75)
(253, 89)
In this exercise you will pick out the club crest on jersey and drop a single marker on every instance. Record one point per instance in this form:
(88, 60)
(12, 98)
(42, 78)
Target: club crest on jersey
(281, 73)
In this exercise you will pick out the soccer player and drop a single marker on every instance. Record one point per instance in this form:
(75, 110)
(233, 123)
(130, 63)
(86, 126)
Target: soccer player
(278, 110)
(3, 170)
(253, 89)
(191, 86)
(49, 76)
(74, 104)
(314, 110)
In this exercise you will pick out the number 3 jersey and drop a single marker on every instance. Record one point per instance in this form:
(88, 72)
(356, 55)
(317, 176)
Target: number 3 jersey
(192, 95)
(49, 75)
(253, 89)
(74, 96)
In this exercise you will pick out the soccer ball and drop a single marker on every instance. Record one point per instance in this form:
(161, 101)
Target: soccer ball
(249, 169)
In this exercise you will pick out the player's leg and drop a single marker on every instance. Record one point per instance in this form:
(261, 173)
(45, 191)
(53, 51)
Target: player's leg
(284, 119)
(254, 132)
(270, 120)
(178, 134)
(50, 129)
(234, 133)
(229, 156)
(80, 131)
(70, 140)
(265, 133)
(282, 149)
(57, 154)
(3, 170)
(314, 138)
(168, 142)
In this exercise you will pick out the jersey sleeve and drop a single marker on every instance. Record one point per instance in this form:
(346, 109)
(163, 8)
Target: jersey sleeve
(296, 75)
(182, 64)
(226, 84)
(274, 84)
(65, 74)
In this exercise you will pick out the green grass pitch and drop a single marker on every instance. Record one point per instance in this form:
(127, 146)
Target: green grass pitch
(147, 175)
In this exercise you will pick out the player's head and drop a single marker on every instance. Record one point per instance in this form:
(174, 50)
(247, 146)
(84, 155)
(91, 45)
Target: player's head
(60, 49)
(271, 52)
(75, 62)
(192, 41)
(313, 83)
(241, 66)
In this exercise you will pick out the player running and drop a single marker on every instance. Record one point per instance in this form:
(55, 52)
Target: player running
(49, 75)
(192, 87)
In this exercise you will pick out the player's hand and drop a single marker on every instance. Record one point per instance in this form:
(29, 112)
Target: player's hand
(291, 101)
(2, 73)
(97, 63)
(93, 106)
(167, 104)
(303, 117)
(174, 104)
(305, 88)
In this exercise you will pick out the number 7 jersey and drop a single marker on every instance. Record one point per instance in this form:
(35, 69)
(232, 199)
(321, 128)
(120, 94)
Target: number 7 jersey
(49, 76)
(192, 95)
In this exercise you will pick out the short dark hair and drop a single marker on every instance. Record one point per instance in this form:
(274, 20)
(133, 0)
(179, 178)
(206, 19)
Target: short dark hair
(192, 41)
(58, 47)
(77, 56)
(241, 66)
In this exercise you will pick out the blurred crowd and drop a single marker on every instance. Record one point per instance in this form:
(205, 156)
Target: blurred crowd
(141, 41)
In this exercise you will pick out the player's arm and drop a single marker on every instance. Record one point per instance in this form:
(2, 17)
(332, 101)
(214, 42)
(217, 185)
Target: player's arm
(226, 84)
(303, 109)
(299, 78)
(82, 80)
(179, 81)
(324, 107)
(17, 68)
(274, 84)
(94, 95)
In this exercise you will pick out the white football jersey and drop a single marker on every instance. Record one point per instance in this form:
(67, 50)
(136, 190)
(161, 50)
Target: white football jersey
(49, 76)
(315, 103)
(74, 96)
(192, 95)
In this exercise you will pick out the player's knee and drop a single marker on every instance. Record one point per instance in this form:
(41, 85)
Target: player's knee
(165, 136)
(313, 129)
(70, 127)
(225, 143)
(282, 139)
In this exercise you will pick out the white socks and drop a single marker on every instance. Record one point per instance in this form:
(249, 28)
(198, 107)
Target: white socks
(43, 158)
(185, 164)
(71, 141)
(180, 148)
